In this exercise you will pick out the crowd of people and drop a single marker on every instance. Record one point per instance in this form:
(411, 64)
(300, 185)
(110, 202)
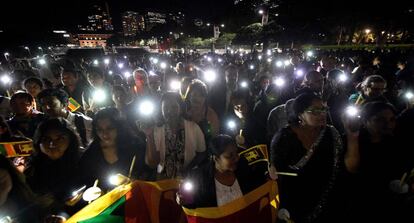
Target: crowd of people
(339, 122)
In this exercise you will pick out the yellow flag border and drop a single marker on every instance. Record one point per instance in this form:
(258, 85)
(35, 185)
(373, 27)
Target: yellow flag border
(17, 143)
(239, 204)
(98, 206)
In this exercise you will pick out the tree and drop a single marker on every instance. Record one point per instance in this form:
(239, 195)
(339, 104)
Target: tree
(249, 35)
(225, 39)
(193, 42)
(271, 32)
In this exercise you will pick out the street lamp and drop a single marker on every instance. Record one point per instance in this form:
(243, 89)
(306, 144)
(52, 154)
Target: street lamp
(367, 31)
(261, 11)
(222, 25)
(28, 49)
(208, 24)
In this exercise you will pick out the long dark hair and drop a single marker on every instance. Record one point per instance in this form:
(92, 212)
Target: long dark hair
(60, 124)
(196, 85)
(219, 143)
(124, 133)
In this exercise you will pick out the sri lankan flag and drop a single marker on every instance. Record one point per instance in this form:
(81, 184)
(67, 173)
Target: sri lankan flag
(255, 154)
(15, 149)
(259, 205)
(73, 105)
(138, 202)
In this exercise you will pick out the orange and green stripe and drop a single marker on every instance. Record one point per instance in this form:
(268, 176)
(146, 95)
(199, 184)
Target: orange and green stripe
(73, 105)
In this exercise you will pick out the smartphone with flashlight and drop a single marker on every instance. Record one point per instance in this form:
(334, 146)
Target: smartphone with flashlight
(351, 118)
(186, 192)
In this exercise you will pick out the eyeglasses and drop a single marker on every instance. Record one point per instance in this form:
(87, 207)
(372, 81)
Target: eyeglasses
(317, 111)
(377, 89)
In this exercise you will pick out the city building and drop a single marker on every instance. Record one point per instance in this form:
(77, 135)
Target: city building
(153, 19)
(93, 39)
(141, 23)
(99, 20)
(131, 23)
(107, 20)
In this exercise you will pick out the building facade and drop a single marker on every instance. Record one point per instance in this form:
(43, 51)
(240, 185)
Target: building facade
(93, 40)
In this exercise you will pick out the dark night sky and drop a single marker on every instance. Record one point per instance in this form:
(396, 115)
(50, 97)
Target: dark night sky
(57, 14)
(22, 20)
(63, 13)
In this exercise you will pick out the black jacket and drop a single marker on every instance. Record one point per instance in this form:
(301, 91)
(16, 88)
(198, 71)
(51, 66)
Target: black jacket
(94, 166)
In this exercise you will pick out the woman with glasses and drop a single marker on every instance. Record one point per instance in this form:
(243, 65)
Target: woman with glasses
(371, 89)
(311, 149)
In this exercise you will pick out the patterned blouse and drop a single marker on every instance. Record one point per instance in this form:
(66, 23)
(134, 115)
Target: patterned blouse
(174, 154)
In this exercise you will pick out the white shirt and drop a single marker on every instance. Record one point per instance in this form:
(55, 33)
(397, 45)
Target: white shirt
(226, 194)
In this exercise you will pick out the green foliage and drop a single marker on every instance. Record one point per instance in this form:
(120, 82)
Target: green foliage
(249, 34)
(225, 39)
